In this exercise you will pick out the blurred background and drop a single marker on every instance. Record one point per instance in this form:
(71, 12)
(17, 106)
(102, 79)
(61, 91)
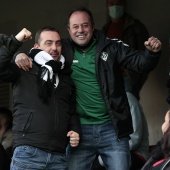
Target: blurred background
(15, 15)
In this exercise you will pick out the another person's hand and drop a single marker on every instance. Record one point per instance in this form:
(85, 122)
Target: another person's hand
(23, 61)
(74, 138)
(24, 35)
(153, 44)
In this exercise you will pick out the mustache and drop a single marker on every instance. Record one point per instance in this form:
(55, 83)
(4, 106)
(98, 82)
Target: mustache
(81, 33)
(54, 53)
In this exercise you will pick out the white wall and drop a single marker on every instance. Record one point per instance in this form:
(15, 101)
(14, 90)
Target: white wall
(153, 13)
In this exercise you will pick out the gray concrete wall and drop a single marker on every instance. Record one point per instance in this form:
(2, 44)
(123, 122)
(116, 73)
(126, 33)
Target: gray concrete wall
(155, 15)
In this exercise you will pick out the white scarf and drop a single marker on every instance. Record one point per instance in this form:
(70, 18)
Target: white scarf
(41, 58)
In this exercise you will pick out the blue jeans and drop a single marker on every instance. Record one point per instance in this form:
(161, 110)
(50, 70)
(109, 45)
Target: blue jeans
(31, 158)
(100, 140)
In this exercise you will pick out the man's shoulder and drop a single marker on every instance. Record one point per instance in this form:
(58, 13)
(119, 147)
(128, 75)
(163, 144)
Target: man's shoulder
(133, 21)
(3, 37)
(102, 39)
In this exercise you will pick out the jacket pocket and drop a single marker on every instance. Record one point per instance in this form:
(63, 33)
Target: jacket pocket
(22, 121)
(28, 123)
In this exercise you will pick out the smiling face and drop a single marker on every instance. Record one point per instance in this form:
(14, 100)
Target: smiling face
(166, 123)
(50, 42)
(80, 28)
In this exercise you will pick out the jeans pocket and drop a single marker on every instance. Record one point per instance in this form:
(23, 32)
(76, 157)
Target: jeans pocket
(23, 157)
(25, 151)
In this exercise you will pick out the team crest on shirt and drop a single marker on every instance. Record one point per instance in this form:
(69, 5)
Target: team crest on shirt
(75, 61)
(104, 56)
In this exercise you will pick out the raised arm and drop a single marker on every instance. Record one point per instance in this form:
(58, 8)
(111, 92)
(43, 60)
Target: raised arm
(10, 45)
(24, 35)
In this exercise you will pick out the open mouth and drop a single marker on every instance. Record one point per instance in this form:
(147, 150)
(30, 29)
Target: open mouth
(81, 36)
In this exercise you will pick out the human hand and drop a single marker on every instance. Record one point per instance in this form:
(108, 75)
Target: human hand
(23, 61)
(74, 138)
(153, 44)
(24, 35)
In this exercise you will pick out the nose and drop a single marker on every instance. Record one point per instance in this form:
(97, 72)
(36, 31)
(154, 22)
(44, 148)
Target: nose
(80, 29)
(54, 46)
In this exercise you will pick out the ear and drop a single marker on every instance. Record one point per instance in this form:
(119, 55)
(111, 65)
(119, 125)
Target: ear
(36, 45)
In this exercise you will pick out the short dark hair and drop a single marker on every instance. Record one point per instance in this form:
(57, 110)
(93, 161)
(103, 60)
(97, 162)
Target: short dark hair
(82, 9)
(45, 28)
(5, 112)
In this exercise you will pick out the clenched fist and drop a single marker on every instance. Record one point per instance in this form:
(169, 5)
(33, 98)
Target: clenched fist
(24, 35)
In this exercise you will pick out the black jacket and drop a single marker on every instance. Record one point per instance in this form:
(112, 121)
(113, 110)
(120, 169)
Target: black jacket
(4, 159)
(34, 123)
(110, 56)
(134, 34)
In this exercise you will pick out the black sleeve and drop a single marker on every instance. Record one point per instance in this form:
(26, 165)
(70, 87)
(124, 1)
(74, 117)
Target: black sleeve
(8, 70)
(74, 123)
